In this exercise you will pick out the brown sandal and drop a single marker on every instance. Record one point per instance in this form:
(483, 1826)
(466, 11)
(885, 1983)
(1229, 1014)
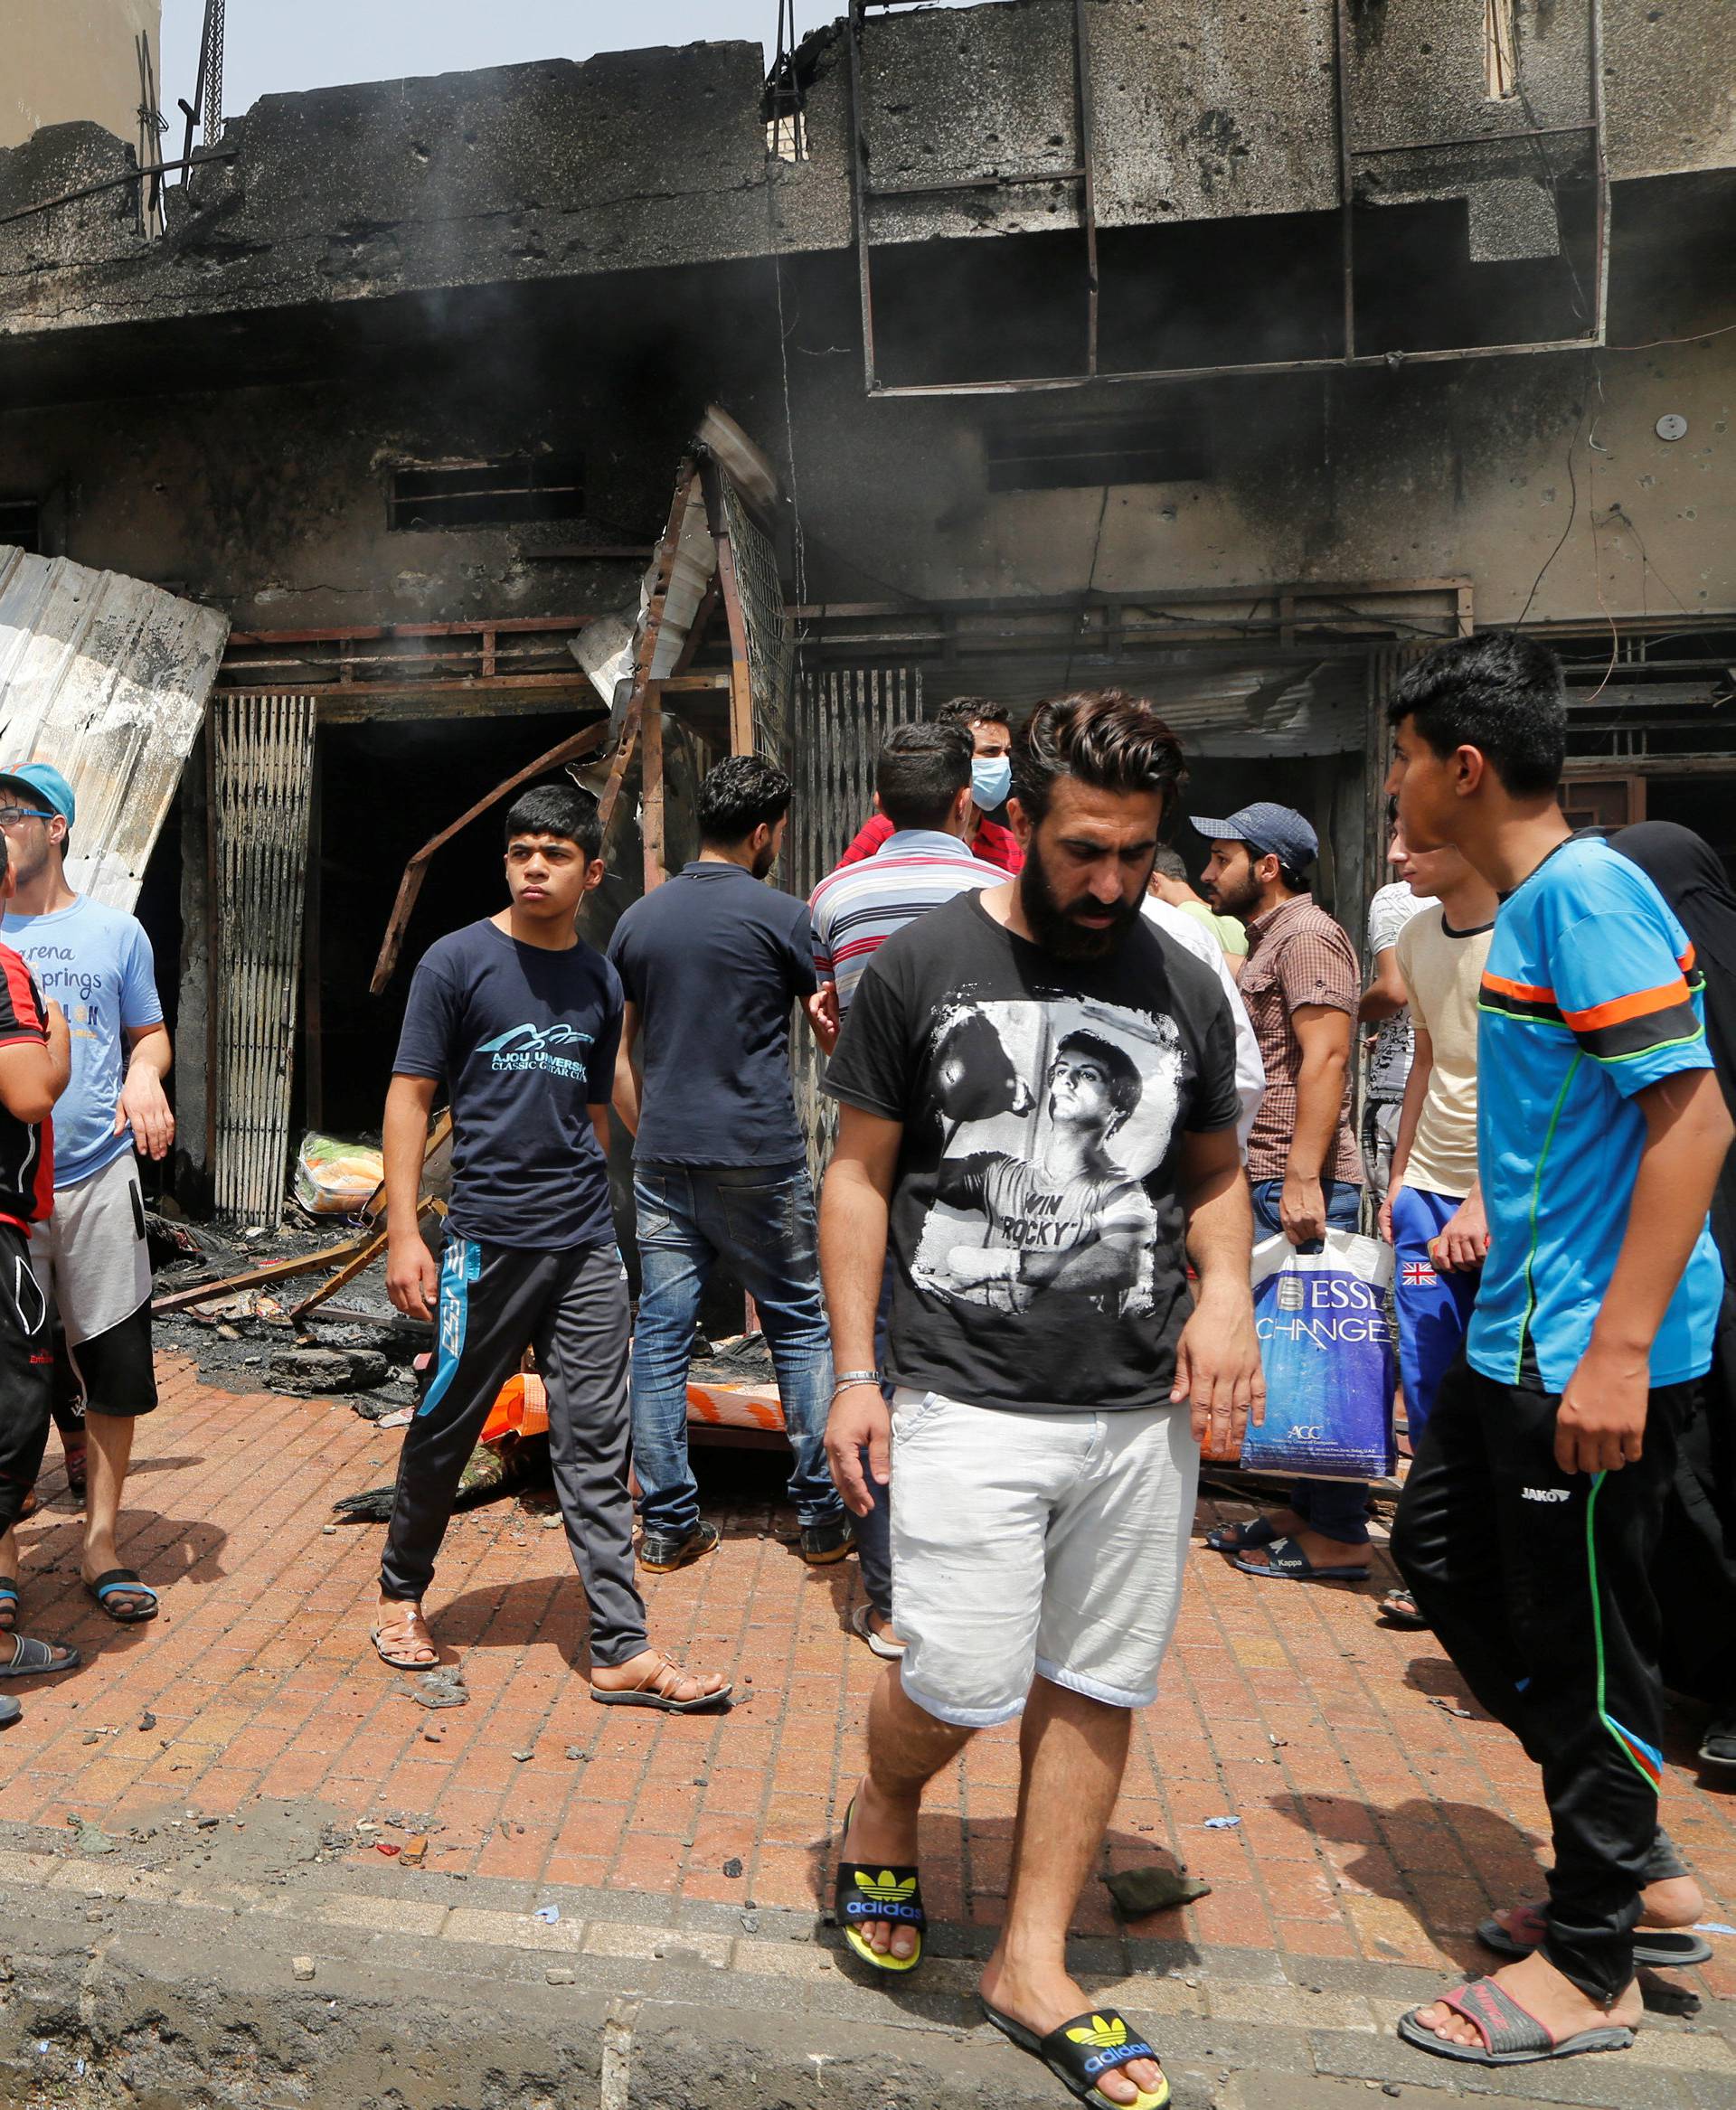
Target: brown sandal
(653, 1690)
(408, 1630)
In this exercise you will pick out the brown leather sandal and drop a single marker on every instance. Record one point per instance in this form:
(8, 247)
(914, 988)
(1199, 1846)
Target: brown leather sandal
(393, 1638)
(656, 1687)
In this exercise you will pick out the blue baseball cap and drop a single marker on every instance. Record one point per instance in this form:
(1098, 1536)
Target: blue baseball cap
(46, 781)
(1264, 827)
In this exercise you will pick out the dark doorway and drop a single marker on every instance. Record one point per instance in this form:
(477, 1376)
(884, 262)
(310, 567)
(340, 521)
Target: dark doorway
(385, 787)
(1701, 803)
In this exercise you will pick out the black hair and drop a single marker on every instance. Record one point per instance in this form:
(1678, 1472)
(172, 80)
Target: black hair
(1106, 738)
(1171, 863)
(738, 797)
(1498, 693)
(6, 855)
(968, 710)
(920, 770)
(558, 809)
(1126, 1085)
(1295, 882)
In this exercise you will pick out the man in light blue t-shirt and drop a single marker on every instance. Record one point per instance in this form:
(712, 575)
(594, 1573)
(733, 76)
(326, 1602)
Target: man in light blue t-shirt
(92, 1255)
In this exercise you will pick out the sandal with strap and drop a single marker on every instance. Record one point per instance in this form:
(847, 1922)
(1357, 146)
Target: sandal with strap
(31, 1658)
(865, 1894)
(8, 1608)
(124, 1582)
(393, 1639)
(1512, 2035)
(1664, 1948)
(1240, 1538)
(651, 1691)
(1285, 1561)
(1399, 1609)
(1080, 2052)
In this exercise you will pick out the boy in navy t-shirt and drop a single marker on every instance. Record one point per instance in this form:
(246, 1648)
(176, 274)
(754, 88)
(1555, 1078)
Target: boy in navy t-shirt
(1537, 1495)
(520, 1019)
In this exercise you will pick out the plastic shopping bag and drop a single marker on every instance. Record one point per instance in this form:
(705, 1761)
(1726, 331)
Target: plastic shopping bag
(335, 1178)
(1326, 1346)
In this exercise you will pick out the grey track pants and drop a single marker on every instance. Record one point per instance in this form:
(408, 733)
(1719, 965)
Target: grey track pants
(572, 1307)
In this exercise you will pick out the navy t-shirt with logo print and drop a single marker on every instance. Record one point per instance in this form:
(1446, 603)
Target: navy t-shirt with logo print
(526, 1042)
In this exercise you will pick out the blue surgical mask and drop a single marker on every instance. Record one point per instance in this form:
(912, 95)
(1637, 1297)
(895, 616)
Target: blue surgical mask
(991, 780)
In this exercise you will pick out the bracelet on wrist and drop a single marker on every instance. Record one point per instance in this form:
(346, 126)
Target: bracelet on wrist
(847, 1378)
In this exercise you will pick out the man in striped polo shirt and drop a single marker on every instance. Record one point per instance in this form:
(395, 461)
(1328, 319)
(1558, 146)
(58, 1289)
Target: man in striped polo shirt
(923, 781)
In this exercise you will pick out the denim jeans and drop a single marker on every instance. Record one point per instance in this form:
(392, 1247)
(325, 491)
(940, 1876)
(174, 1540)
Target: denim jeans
(1336, 1509)
(762, 1219)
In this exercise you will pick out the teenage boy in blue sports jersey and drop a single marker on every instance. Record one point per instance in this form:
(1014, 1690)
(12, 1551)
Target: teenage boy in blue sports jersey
(1529, 1519)
(519, 1019)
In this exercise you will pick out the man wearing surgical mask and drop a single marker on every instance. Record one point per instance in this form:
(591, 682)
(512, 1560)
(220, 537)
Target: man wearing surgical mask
(991, 781)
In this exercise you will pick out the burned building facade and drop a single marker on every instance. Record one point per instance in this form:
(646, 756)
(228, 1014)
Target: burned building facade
(1231, 359)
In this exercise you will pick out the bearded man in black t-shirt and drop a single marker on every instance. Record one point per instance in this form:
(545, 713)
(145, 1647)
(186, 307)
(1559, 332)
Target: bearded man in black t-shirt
(1038, 1121)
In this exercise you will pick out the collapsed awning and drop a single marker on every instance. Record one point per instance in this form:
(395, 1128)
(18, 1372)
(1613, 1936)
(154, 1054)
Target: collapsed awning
(106, 678)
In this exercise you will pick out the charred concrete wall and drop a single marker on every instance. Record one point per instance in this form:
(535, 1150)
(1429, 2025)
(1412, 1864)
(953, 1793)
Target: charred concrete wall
(1471, 468)
(556, 170)
(655, 159)
(271, 500)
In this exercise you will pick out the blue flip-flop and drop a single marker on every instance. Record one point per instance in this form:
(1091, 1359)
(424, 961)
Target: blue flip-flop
(1286, 1562)
(9, 1602)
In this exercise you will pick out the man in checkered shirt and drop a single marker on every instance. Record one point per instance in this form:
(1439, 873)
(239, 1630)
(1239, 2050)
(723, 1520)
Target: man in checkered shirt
(1302, 986)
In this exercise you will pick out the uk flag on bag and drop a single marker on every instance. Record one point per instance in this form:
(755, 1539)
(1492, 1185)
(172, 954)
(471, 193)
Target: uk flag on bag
(1328, 1350)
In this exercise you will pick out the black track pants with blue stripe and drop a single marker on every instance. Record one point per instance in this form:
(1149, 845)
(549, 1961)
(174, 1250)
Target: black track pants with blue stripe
(1538, 1584)
(572, 1307)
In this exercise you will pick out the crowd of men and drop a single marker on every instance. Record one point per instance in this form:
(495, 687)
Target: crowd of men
(1073, 1089)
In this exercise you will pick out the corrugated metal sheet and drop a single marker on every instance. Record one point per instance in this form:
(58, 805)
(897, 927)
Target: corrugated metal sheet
(106, 678)
(262, 776)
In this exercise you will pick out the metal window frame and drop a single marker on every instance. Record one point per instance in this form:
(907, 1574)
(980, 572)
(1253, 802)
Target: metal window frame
(864, 193)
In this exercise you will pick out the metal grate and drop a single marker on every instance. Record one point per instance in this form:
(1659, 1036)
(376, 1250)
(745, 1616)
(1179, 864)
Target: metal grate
(262, 750)
(840, 718)
(771, 645)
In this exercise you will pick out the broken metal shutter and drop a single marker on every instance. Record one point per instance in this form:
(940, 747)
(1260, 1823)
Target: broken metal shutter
(771, 645)
(106, 678)
(842, 716)
(261, 779)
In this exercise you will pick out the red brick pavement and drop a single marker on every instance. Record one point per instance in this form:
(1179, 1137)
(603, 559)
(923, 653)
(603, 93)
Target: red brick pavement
(1377, 1820)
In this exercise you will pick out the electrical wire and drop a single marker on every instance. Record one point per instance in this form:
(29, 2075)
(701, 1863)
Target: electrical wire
(1653, 343)
(1572, 513)
(1090, 586)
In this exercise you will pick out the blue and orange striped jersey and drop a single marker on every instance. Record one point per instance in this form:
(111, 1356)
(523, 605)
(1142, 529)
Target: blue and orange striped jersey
(1589, 994)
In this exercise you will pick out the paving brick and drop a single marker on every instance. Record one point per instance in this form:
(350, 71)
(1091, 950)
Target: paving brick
(1374, 1825)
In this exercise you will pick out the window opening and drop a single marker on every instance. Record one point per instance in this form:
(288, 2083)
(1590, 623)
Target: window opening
(487, 493)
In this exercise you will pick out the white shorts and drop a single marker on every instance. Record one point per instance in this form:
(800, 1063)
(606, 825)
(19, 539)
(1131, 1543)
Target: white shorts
(1051, 1545)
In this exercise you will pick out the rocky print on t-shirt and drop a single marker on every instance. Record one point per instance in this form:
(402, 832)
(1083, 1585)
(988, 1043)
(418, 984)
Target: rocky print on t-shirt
(1036, 1218)
(1039, 1191)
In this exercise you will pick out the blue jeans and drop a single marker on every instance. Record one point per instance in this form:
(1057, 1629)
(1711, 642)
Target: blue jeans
(762, 1219)
(1336, 1509)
